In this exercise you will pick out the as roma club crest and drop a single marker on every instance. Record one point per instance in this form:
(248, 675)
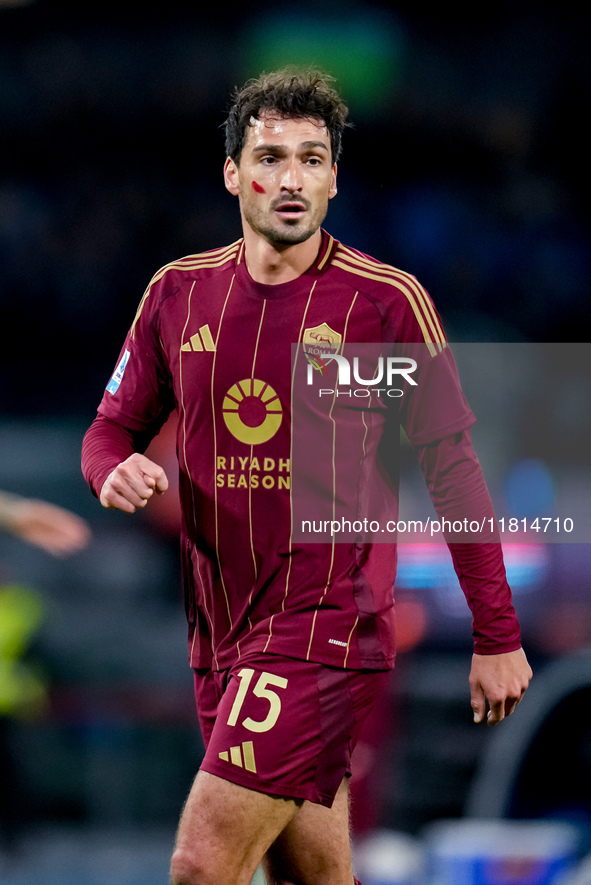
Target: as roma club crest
(321, 341)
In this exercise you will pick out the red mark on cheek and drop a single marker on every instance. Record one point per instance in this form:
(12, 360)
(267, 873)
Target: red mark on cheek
(257, 187)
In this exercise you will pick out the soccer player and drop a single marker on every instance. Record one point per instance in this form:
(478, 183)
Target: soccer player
(290, 641)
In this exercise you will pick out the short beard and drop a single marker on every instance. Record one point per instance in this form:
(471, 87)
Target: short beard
(287, 236)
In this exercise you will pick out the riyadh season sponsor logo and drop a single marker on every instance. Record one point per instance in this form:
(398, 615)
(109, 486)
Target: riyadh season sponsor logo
(252, 411)
(253, 414)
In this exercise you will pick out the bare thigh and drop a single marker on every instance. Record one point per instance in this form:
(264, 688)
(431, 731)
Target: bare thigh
(225, 830)
(314, 847)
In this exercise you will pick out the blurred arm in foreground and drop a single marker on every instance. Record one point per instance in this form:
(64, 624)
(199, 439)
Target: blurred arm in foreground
(53, 529)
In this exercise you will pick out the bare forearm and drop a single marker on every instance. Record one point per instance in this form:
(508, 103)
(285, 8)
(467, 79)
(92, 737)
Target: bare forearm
(53, 529)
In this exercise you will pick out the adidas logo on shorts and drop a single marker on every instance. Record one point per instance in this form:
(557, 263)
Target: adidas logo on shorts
(242, 756)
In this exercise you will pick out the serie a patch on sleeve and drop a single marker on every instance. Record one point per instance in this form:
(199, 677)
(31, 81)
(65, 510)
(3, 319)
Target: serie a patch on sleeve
(113, 385)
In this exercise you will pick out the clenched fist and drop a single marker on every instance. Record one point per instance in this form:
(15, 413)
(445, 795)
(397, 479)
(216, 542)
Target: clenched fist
(131, 485)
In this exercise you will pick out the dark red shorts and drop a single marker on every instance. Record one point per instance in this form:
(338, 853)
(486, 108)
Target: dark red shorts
(283, 726)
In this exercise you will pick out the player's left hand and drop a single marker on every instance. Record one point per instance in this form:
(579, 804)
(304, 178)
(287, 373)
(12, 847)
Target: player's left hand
(501, 680)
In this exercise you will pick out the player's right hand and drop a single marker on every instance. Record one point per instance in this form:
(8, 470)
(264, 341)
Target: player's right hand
(131, 485)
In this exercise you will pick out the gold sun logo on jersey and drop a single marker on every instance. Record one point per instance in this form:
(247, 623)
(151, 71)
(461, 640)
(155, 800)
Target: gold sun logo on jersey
(252, 411)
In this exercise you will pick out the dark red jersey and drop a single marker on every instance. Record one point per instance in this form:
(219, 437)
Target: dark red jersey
(210, 341)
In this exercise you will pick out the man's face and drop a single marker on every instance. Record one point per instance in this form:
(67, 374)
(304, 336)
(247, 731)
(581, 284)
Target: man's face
(285, 178)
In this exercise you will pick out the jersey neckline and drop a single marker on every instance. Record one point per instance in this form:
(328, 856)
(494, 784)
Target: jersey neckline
(320, 265)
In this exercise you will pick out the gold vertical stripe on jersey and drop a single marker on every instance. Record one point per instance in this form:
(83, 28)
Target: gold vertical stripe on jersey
(349, 640)
(365, 435)
(364, 448)
(252, 374)
(408, 279)
(334, 482)
(186, 466)
(250, 525)
(215, 455)
(301, 332)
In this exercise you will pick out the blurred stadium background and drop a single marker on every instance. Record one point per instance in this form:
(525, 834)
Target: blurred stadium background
(468, 166)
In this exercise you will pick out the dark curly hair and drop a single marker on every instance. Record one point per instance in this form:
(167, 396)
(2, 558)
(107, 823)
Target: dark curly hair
(300, 93)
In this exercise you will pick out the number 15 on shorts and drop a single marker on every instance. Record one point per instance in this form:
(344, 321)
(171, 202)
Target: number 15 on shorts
(260, 690)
